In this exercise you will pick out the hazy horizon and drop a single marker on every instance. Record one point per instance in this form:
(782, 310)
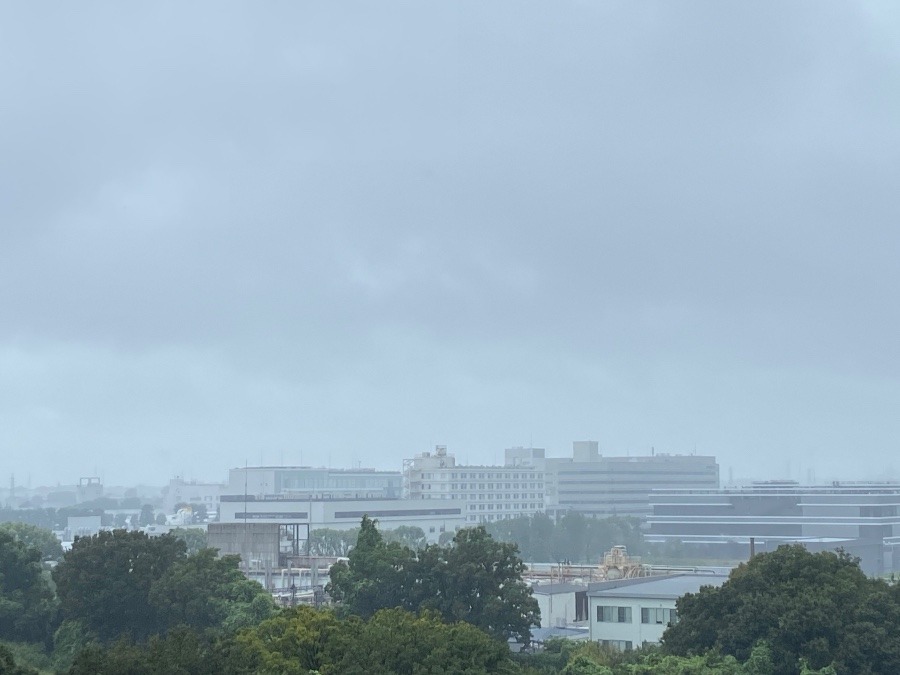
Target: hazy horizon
(345, 233)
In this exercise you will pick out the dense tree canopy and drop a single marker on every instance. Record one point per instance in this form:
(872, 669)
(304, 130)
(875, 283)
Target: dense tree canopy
(205, 592)
(473, 579)
(33, 536)
(375, 576)
(104, 581)
(27, 605)
(817, 609)
(304, 640)
(8, 664)
(195, 538)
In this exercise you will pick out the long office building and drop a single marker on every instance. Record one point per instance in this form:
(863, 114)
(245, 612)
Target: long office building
(861, 518)
(264, 481)
(602, 486)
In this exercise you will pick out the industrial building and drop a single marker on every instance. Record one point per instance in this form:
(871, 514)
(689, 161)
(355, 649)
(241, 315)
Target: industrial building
(861, 518)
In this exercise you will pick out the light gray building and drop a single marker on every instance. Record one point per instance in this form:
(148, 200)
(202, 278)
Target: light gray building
(601, 486)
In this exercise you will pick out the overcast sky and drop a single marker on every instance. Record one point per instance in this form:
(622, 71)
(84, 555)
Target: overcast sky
(336, 233)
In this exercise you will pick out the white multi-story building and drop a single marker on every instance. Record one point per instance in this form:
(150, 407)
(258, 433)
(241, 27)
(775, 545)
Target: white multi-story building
(488, 493)
(629, 613)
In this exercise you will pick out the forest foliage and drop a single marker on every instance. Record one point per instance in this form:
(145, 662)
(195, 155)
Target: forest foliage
(122, 602)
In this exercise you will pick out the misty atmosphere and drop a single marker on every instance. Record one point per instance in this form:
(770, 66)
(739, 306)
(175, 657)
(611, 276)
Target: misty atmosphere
(333, 236)
(539, 338)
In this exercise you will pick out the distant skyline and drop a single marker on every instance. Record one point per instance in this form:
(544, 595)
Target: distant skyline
(341, 233)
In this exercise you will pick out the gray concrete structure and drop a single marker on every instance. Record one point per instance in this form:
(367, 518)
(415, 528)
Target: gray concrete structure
(601, 486)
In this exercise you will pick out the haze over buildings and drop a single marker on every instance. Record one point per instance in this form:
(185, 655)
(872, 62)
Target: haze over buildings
(336, 235)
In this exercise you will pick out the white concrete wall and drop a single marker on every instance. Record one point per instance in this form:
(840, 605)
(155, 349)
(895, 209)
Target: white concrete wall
(346, 514)
(635, 632)
(557, 609)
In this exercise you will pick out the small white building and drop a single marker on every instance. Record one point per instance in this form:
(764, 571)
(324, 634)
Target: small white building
(562, 604)
(629, 613)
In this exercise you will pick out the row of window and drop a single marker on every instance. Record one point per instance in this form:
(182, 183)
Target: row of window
(483, 495)
(649, 615)
(484, 518)
(482, 476)
(507, 507)
(484, 486)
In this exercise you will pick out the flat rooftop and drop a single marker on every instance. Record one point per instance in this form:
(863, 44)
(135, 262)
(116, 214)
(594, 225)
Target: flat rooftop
(669, 587)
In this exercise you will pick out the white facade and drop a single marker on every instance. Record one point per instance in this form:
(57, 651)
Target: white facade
(434, 517)
(487, 493)
(629, 613)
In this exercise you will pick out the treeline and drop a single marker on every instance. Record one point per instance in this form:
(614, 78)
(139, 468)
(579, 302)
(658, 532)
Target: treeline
(475, 579)
(118, 585)
(121, 602)
(574, 538)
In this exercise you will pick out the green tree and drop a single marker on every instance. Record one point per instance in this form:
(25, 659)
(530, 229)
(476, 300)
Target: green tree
(36, 537)
(182, 651)
(104, 581)
(393, 641)
(375, 575)
(27, 606)
(203, 591)
(147, 517)
(815, 608)
(332, 543)
(69, 639)
(409, 536)
(477, 580)
(8, 664)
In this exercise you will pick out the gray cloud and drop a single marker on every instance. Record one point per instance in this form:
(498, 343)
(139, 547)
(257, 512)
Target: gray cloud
(352, 232)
